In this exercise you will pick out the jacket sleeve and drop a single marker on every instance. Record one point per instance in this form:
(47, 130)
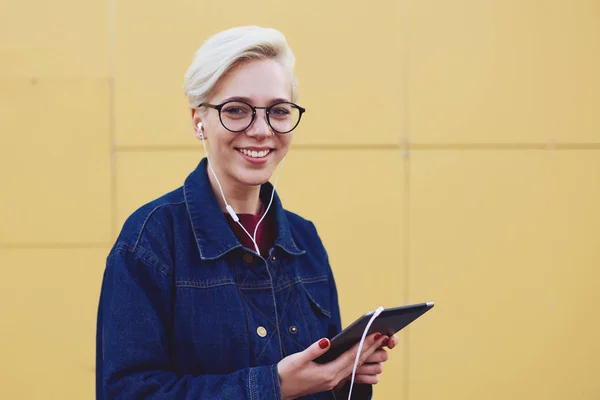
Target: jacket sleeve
(133, 341)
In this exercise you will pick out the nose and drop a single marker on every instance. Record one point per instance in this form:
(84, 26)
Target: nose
(259, 128)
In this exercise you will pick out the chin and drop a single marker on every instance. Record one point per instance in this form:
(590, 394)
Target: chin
(253, 178)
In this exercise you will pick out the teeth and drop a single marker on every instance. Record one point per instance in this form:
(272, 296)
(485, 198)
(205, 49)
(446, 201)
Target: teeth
(255, 154)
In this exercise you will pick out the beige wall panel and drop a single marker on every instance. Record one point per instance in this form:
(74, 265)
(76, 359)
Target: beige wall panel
(49, 302)
(349, 73)
(63, 38)
(355, 199)
(54, 158)
(145, 176)
(360, 224)
(515, 71)
(506, 243)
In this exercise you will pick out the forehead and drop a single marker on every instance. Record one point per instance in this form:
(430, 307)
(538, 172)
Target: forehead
(258, 80)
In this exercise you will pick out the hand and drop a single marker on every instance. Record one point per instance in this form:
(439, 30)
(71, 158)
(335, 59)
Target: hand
(299, 375)
(369, 372)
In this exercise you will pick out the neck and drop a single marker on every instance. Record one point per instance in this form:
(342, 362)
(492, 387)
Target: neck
(244, 199)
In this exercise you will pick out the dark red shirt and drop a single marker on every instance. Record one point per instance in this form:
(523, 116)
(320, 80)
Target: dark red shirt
(265, 236)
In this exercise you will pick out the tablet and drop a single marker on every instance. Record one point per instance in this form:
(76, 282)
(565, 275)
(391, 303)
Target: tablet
(389, 322)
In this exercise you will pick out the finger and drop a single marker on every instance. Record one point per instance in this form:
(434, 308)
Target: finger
(342, 362)
(315, 350)
(393, 342)
(370, 369)
(385, 341)
(379, 355)
(374, 341)
(367, 379)
(369, 350)
(341, 383)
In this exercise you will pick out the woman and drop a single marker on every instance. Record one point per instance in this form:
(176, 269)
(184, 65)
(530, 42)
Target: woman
(214, 291)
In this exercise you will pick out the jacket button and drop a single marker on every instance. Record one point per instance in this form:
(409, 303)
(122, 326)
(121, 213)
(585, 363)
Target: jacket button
(273, 258)
(293, 330)
(248, 258)
(261, 331)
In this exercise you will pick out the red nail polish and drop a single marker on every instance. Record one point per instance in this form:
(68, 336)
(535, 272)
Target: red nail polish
(378, 336)
(385, 341)
(323, 343)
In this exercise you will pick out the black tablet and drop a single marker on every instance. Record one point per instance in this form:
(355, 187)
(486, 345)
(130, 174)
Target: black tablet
(389, 322)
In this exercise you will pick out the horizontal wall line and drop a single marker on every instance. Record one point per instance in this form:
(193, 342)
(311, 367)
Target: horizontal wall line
(166, 148)
(53, 246)
(504, 146)
(392, 147)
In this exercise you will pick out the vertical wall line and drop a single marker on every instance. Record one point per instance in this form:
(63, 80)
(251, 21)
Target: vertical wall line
(405, 141)
(112, 20)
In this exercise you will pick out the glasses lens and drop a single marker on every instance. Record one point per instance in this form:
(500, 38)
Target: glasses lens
(236, 116)
(283, 117)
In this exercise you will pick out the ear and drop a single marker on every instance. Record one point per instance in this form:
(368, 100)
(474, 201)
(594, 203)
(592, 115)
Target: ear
(196, 119)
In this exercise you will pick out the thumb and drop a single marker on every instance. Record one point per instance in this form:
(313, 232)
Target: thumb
(317, 349)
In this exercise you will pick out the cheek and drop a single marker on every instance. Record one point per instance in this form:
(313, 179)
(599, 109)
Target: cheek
(286, 142)
(279, 155)
(213, 128)
(219, 138)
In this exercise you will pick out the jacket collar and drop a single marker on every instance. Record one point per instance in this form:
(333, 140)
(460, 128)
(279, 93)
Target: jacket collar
(212, 232)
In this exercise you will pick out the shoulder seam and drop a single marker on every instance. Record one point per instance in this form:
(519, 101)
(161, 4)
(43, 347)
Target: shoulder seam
(148, 218)
(162, 269)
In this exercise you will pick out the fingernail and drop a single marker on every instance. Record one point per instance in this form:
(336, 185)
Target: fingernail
(378, 336)
(385, 341)
(323, 343)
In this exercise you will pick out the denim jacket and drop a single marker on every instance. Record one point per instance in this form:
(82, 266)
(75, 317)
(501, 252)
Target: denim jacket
(186, 312)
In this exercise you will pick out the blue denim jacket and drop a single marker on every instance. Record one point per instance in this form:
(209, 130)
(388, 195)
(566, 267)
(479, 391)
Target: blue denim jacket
(186, 312)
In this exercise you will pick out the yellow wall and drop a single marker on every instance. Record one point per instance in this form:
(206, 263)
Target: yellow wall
(463, 136)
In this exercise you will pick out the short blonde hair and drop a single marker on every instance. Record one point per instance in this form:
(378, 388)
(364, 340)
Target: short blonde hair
(223, 51)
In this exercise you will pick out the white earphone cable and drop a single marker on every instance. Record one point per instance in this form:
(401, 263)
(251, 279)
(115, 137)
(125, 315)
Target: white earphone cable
(270, 201)
(230, 209)
(360, 346)
(211, 168)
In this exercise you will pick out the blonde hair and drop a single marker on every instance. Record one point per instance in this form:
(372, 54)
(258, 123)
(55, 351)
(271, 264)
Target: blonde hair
(225, 50)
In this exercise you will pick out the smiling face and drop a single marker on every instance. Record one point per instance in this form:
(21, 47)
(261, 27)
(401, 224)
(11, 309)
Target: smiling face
(246, 158)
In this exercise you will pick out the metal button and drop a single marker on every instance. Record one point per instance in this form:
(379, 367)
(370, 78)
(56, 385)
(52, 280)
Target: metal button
(273, 258)
(261, 331)
(248, 258)
(293, 330)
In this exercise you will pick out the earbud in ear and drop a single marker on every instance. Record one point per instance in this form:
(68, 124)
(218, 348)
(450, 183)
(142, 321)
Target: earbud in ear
(200, 131)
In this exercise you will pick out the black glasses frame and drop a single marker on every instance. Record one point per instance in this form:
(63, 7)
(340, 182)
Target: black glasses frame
(219, 107)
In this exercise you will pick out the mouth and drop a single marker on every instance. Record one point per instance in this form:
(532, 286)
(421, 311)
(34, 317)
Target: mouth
(257, 154)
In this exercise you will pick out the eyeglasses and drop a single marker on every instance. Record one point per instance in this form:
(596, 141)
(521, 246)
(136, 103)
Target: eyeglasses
(237, 116)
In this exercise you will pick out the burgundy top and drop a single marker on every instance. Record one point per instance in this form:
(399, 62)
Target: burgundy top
(265, 236)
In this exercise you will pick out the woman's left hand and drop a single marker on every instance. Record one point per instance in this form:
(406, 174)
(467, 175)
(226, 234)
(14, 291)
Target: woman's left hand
(368, 373)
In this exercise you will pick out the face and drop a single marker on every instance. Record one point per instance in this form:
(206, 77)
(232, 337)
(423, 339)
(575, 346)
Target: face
(247, 158)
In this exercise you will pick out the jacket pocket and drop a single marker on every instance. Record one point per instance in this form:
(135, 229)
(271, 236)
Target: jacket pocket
(317, 309)
(318, 292)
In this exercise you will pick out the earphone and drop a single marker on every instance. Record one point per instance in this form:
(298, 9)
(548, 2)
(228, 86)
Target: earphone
(200, 131)
(228, 207)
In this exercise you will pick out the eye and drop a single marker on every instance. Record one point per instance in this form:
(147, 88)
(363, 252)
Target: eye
(280, 111)
(235, 110)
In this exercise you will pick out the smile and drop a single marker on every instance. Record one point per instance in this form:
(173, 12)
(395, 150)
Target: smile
(254, 153)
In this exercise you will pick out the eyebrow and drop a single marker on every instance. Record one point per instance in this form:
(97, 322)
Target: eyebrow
(248, 100)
